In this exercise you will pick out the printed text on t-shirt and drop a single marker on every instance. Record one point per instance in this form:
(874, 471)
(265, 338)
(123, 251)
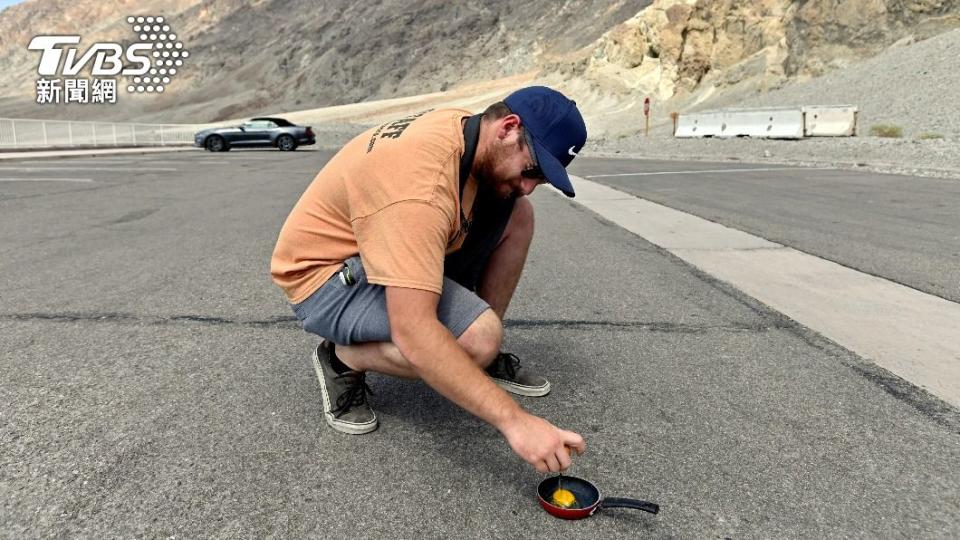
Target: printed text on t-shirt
(393, 130)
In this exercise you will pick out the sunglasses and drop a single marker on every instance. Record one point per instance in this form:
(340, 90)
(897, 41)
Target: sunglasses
(532, 172)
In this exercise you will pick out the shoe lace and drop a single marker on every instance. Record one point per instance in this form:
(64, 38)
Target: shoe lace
(354, 395)
(509, 363)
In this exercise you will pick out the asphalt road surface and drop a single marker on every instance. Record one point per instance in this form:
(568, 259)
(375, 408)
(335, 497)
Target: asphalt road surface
(155, 382)
(903, 228)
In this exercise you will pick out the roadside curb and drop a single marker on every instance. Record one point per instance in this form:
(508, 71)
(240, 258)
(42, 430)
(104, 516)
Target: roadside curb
(53, 154)
(853, 165)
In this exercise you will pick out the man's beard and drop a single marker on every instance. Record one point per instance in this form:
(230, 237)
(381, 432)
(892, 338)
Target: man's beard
(487, 180)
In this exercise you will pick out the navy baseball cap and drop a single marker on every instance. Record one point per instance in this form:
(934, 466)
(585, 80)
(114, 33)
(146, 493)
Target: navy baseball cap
(556, 128)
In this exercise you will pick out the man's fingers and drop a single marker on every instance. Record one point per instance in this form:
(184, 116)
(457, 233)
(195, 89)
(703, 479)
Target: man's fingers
(574, 441)
(546, 447)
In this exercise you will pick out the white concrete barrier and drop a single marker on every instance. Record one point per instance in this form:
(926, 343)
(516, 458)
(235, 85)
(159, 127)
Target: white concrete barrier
(830, 121)
(771, 123)
(707, 124)
(779, 123)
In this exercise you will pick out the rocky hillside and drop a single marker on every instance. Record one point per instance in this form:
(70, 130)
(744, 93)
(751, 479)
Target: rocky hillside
(299, 54)
(704, 53)
(289, 55)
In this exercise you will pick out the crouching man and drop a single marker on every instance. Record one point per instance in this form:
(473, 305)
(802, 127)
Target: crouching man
(404, 253)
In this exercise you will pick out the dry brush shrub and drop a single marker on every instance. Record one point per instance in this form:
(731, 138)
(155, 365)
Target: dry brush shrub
(886, 130)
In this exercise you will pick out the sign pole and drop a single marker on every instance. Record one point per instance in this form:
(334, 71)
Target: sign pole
(646, 114)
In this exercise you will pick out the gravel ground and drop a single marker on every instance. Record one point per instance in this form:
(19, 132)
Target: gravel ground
(334, 136)
(937, 158)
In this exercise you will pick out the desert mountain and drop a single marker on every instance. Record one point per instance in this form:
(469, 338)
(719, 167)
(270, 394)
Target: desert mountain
(267, 56)
(301, 54)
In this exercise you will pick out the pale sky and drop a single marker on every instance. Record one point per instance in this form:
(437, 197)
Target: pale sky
(5, 3)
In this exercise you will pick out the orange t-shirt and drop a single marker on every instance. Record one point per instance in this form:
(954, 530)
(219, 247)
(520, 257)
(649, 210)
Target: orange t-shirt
(392, 194)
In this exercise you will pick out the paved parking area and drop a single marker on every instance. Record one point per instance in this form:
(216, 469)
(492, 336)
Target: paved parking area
(156, 384)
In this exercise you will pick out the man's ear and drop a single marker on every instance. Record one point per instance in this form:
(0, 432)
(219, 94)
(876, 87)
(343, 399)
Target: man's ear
(508, 124)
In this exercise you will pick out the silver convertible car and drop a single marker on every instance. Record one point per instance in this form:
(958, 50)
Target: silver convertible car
(275, 132)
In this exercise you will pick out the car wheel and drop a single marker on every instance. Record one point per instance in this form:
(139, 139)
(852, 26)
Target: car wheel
(215, 143)
(286, 143)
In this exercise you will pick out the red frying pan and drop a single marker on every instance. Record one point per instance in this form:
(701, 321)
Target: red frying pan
(588, 499)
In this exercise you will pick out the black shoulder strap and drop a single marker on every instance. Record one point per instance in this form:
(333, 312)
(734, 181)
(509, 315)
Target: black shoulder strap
(471, 134)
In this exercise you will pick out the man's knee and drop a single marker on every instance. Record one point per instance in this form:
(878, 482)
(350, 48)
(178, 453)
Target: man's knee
(482, 339)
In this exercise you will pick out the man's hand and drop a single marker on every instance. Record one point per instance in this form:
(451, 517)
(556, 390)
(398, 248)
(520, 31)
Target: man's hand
(542, 444)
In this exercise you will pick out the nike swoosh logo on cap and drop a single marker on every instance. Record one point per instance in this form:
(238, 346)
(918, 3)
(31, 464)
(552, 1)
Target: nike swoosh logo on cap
(571, 152)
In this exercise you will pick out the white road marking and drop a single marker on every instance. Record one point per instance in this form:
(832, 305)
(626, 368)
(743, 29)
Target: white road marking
(76, 161)
(78, 168)
(714, 171)
(249, 158)
(910, 333)
(18, 179)
(182, 162)
(34, 154)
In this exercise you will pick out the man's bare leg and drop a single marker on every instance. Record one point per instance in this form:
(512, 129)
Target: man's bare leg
(497, 284)
(481, 340)
(500, 277)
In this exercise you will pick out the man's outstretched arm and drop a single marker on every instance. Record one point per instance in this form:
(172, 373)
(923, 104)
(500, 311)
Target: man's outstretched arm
(437, 358)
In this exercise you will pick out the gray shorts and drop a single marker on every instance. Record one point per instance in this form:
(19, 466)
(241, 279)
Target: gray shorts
(357, 313)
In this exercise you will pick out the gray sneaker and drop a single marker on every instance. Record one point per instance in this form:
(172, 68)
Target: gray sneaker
(344, 395)
(509, 375)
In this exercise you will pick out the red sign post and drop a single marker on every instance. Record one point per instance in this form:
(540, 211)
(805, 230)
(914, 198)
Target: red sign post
(646, 114)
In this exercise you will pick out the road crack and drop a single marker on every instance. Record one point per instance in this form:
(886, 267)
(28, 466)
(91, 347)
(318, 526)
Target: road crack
(652, 326)
(283, 321)
(133, 318)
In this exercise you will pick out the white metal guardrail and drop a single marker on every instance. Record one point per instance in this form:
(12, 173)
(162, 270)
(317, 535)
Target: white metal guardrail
(773, 123)
(26, 133)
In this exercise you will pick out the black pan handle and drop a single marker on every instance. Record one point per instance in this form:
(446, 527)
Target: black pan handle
(620, 502)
